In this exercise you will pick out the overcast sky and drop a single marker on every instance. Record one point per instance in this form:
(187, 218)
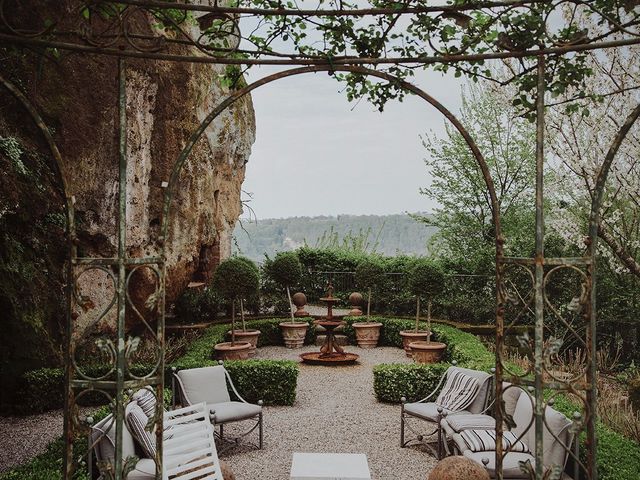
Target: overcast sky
(315, 154)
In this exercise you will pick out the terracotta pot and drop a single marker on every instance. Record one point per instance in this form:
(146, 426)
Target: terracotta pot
(367, 333)
(250, 336)
(427, 352)
(228, 351)
(409, 336)
(294, 333)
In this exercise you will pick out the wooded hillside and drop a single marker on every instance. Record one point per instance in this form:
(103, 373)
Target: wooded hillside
(386, 234)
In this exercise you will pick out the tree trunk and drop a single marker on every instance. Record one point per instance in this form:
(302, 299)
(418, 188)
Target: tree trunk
(417, 312)
(233, 322)
(290, 305)
(623, 255)
(244, 326)
(369, 305)
(429, 320)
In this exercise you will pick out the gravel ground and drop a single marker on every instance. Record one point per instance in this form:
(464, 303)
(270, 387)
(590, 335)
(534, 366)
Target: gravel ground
(22, 438)
(335, 412)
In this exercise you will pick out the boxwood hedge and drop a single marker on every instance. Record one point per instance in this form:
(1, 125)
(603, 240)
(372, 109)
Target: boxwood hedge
(273, 381)
(415, 381)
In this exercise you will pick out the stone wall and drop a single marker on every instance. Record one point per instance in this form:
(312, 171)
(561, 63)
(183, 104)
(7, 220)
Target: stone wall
(76, 94)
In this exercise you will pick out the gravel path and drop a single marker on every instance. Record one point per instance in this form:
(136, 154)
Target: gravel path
(22, 438)
(335, 412)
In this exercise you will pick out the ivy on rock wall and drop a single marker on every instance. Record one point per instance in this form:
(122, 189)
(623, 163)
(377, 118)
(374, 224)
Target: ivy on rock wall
(32, 253)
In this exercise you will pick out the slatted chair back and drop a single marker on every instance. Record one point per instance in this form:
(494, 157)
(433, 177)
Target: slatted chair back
(189, 449)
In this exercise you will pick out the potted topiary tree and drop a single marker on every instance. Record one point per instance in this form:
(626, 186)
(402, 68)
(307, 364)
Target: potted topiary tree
(236, 279)
(369, 275)
(425, 279)
(286, 271)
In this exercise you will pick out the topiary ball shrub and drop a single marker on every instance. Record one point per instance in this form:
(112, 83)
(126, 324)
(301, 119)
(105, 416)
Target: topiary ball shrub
(369, 274)
(285, 269)
(236, 277)
(426, 279)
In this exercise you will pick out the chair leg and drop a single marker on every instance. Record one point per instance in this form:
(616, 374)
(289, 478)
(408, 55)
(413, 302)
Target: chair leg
(402, 430)
(439, 441)
(260, 430)
(221, 434)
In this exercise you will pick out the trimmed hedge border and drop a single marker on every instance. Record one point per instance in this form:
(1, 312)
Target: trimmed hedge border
(391, 381)
(273, 381)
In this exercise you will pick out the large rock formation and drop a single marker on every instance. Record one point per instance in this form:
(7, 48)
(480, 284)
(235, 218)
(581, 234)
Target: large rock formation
(77, 96)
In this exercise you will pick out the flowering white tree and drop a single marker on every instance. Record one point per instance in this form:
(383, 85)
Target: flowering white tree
(581, 139)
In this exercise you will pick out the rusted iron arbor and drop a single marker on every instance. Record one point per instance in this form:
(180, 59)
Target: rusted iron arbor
(205, 32)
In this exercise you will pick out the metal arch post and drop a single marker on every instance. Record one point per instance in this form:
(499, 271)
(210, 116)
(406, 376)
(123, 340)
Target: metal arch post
(122, 249)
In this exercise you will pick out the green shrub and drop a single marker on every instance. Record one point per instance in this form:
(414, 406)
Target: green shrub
(392, 381)
(236, 277)
(197, 306)
(618, 457)
(370, 276)
(285, 269)
(272, 381)
(48, 465)
(43, 389)
(413, 381)
(275, 386)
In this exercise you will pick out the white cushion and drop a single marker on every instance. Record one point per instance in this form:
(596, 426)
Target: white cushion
(510, 395)
(233, 411)
(473, 421)
(523, 416)
(145, 470)
(104, 433)
(428, 410)
(553, 451)
(206, 384)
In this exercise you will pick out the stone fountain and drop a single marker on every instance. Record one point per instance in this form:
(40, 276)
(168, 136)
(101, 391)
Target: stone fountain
(330, 352)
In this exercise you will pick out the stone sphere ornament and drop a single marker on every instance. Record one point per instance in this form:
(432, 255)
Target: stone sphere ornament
(355, 299)
(458, 468)
(299, 299)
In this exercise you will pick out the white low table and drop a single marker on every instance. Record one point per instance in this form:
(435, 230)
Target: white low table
(330, 466)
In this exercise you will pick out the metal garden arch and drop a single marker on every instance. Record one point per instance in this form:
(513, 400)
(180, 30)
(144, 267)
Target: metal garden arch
(120, 269)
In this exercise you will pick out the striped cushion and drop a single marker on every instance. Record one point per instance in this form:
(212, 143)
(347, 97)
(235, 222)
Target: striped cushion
(137, 422)
(146, 399)
(485, 441)
(458, 392)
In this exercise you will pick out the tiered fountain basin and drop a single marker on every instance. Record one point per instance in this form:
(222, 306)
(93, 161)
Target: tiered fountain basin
(330, 354)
